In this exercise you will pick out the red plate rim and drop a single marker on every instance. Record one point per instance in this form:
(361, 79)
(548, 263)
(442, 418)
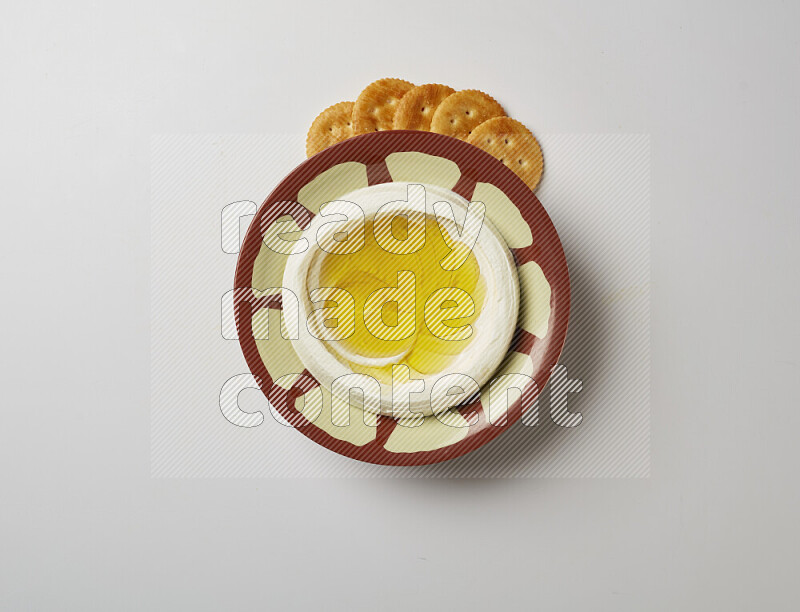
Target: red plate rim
(476, 166)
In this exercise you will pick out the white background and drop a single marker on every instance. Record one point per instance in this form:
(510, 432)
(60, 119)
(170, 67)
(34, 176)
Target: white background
(82, 524)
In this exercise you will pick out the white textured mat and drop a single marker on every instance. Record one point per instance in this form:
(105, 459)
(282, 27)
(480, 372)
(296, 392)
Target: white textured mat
(595, 188)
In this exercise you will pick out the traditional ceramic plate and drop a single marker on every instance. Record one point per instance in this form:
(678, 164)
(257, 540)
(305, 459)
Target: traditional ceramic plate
(417, 157)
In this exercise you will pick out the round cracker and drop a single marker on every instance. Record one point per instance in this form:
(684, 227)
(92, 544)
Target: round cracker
(513, 144)
(332, 125)
(375, 106)
(463, 111)
(416, 109)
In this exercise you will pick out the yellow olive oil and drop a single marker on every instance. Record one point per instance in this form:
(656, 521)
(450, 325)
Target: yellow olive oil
(372, 268)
